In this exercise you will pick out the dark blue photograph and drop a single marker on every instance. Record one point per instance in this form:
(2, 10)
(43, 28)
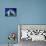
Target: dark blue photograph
(10, 12)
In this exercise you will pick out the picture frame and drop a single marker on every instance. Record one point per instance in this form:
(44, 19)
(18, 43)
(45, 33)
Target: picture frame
(10, 12)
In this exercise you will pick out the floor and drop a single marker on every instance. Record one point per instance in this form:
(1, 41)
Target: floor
(7, 45)
(30, 43)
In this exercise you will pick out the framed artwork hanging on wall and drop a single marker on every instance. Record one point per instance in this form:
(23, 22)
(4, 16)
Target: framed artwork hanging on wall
(10, 12)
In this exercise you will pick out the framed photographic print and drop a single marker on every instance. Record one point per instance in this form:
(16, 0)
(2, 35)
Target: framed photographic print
(10, 12)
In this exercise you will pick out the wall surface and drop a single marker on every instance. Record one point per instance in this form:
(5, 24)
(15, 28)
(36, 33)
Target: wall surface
(28, 12)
